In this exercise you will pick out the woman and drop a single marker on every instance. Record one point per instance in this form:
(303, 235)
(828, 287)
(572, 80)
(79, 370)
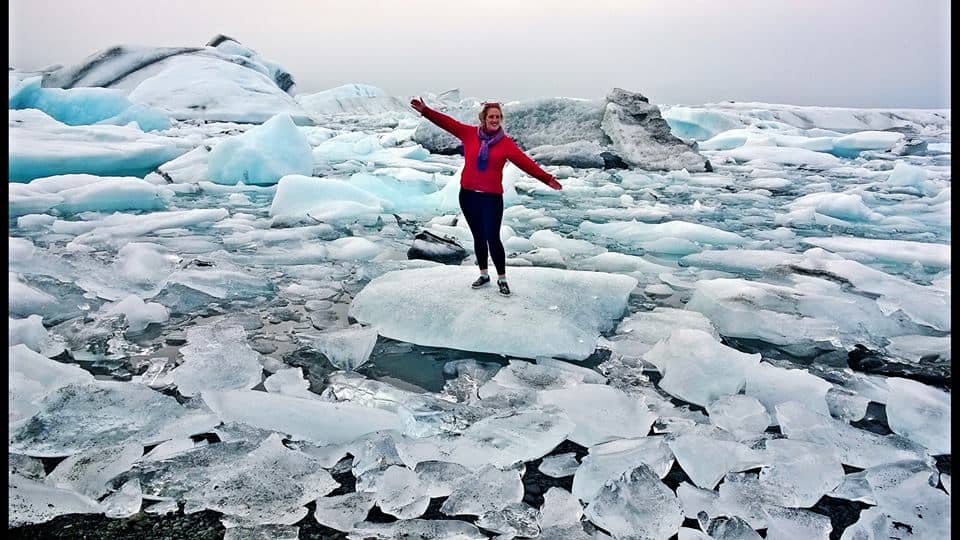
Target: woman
(486, 149)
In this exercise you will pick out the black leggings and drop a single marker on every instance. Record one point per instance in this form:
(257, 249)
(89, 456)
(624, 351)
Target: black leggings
(484, 212)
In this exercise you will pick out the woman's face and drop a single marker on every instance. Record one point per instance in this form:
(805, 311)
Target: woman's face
(492, 120)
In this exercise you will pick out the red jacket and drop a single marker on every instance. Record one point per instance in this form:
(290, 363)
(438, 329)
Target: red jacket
(490, 180)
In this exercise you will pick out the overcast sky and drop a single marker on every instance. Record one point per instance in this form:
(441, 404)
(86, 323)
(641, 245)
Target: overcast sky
(854, 53)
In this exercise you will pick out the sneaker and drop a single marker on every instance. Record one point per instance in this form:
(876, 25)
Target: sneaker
(504, 288)
(480, 282)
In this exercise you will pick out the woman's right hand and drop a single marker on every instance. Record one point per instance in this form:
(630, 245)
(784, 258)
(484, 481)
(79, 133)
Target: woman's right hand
(418, 104)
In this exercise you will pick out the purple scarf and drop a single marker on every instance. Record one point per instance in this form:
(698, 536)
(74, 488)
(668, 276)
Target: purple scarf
(486, 141)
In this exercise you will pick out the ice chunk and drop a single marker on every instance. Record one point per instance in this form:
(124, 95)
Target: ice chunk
(87, 473)
(731, 528)
(920, 413)
(31, 376)
(743, 261)
(261, 155)
(322, 198)
(609, 460)
(569, 309)
(560, 507)
(427, 529)
(312, 420)
(904, 174)
(783, 156)
(742, 416)
(30, 502)
(352, 249)
(639, 332)
(742, 495)
(875, 524)
(707, 459)
(633, 231)
(601, 413)
(796, 524)
(568, 247)
(699, 369)
(118, 232)
(773, 385)
(926, 305)
(137, 314)
(82, 416)
(559, 465)
(851, 145)
(440, 477)
(400, 493)
(40, 146)
(502, 441)
(637, 503)
(857, 447)
(885, 250)
(799, 473)
(915, 348)
(267, 486)
(217, 357)
(347, 348)
(488, 489)
(518, 519)
(619, 262)
(777, 314)
(23, 300)
(342, 512)
(289, 382)
(126, 502)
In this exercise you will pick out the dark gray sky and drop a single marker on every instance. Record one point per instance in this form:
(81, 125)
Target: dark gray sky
(856, 53)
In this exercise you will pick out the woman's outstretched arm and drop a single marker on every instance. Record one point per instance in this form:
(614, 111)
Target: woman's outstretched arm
(529, 166)
(447, 123)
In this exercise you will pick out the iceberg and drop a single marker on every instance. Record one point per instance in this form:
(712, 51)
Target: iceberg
(261, 155)
(41, 146)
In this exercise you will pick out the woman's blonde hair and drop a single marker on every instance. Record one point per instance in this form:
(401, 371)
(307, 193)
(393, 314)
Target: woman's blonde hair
(487, 106)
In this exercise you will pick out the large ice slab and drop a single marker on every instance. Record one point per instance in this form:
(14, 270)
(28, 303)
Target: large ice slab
(856, 447)
(551, 312)
(82, 416)
(920, 413)
(867, 250)
(40, 146)
(312, 420)
(31, 376)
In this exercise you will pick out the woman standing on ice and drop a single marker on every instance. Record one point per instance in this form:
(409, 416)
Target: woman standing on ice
(486, 149)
